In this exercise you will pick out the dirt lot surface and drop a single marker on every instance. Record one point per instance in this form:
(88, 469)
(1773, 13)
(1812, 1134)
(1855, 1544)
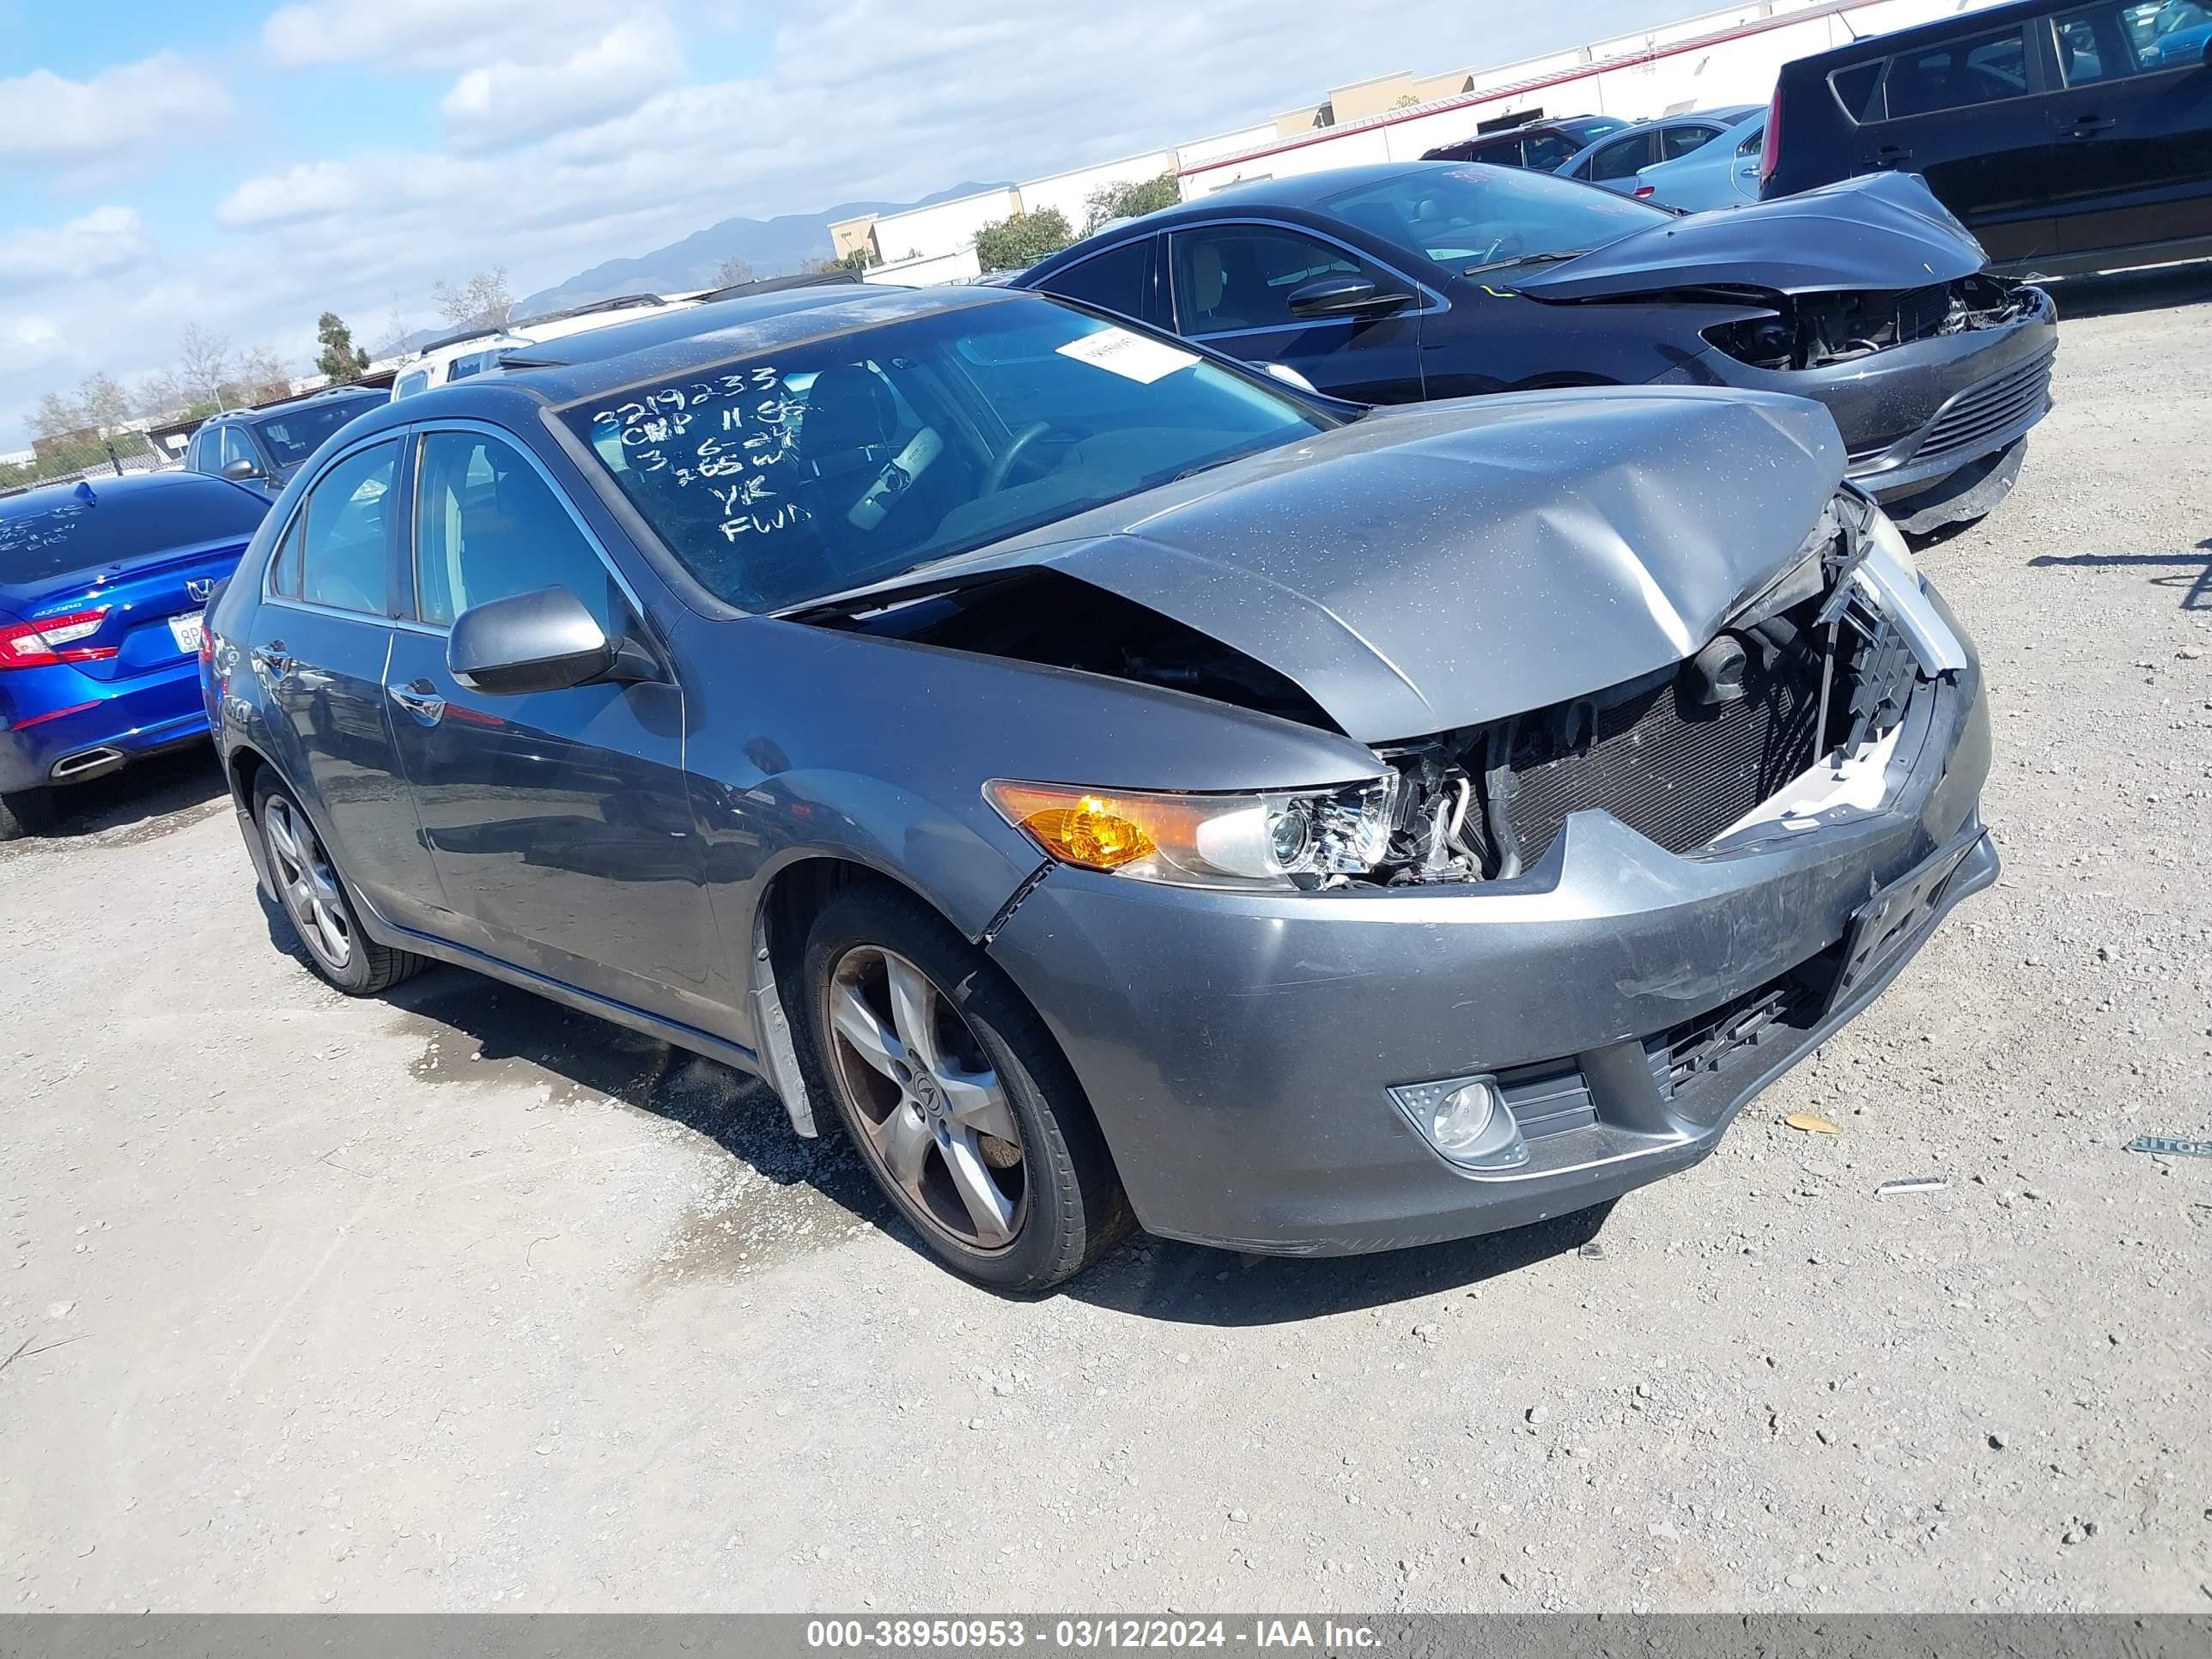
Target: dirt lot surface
(457, 1300)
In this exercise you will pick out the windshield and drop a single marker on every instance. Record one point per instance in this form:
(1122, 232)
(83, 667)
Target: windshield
(1463, 215)
(297, 434)
(780, 478)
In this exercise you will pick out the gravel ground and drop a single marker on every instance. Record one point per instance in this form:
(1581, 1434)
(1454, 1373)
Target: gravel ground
(456, 1300)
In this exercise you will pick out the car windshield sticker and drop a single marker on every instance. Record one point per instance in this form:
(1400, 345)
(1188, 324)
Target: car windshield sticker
(1131, 356)
(724, 436)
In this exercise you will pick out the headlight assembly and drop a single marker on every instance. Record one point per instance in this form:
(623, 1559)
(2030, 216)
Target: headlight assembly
(1296, 838)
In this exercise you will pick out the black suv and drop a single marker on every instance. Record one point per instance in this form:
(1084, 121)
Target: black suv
(2069, 137)
(1545, 146)
(262, 449)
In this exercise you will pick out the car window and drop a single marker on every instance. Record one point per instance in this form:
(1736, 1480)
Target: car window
(1114, 279)
(1240, 276)
(489, 526)
(52, 532)
(1754, 142)
(2108, 42)
(341, 549)
(297, 434)
(199, 454)
(414, 381)
(857, 458)
(1461, 216)
(284, 565)
(1547, 152)
(475, 363)
(1855, 88)
(236, 446)
(1982, 69)
(1621, 159)
(1678, 141)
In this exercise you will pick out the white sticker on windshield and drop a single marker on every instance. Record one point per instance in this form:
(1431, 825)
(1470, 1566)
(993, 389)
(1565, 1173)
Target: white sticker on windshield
(1131, 356)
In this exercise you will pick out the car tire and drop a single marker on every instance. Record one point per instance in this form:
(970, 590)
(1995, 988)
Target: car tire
(28, 813)
(315, 901)
(1054, 1186)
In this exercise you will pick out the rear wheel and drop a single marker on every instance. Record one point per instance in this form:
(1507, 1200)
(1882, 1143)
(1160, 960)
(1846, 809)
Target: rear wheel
(316, 902)
(26, 814)
(963, 1107)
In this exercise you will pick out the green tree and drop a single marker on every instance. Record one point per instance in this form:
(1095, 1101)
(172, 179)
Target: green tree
(1127, 201)
(1016, 243)
(858, 259)
(340, 359)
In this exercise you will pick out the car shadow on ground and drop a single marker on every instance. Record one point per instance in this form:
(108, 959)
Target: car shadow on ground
(2129, 291)
(478, 1031)
(144, 801)
(2191, 572)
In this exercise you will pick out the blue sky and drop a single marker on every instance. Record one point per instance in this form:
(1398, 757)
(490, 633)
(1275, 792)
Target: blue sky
(243, 167)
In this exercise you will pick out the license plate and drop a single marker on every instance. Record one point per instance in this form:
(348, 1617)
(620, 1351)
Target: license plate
(185, 630)
(1879, 927)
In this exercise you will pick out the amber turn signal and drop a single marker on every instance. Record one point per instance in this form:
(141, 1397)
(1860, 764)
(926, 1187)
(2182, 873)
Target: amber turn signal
(1075, 826)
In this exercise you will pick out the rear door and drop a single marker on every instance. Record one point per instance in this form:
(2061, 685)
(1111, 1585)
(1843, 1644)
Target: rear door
(1616, 163)
(1969, 115)
(2130, 129)
(559, 820)
(1232, 283)
(318, 647)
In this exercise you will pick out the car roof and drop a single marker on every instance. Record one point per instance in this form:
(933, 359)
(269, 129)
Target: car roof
(329, 394)
(1943, 28)
(683, 339)
(46, 497)
(1308, 190)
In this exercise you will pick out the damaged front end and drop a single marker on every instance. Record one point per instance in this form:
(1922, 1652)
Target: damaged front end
(1817, 330)
(1809, 675)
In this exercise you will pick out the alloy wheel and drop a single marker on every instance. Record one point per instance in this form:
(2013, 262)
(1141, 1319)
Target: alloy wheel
(308, 884)
(933, 1114)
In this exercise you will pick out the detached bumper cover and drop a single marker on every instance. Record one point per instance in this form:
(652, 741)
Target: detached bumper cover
(1239, 1048)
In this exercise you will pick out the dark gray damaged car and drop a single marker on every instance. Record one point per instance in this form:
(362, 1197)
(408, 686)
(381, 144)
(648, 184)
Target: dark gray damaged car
(1109, 785)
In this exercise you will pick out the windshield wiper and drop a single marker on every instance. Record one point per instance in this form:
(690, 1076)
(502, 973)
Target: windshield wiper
(1550, 259)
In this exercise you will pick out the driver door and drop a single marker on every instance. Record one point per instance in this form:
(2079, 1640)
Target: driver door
(1232, 285)
(558, 821)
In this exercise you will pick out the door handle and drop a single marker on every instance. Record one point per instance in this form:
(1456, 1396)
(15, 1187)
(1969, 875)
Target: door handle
(2088, 126)
(419, 698)
(271, 659)
(1890, 155)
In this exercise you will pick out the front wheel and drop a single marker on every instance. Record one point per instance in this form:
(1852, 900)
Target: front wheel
(316, 902)
(963, 1107)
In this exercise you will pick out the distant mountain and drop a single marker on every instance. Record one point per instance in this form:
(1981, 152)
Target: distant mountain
(770, 247)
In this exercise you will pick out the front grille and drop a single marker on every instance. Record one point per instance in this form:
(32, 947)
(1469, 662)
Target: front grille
(1981, 412)
(1671, 768)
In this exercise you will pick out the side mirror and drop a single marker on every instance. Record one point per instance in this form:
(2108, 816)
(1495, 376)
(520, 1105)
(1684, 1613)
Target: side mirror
(239, 470)
(542, 641)
(1343, 296)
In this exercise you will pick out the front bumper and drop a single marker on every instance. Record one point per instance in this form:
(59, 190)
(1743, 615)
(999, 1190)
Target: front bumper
(1914, 415)
(1237, 1048)
(69, 716)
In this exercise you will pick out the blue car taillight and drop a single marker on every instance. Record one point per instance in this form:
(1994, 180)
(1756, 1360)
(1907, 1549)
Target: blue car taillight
(53, 640)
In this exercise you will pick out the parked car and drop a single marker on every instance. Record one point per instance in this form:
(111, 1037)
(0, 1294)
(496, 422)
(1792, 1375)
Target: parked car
(262, 449)
(1539, 145)
(1722, 173)
(1618, 161)
(1390, 284)
(2067, 137)
(102, 585)
(479, 350)
(1105, 781)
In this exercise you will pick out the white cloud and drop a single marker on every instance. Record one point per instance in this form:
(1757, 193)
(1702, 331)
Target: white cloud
(509, 102)
(310, 190)
(104, 240)
(147, 106)
(425, 35)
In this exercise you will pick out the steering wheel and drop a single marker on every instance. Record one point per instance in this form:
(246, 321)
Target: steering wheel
(995, 479)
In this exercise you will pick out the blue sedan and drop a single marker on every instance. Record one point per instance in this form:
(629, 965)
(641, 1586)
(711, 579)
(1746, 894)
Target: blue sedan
(101, 588)
(1620, 161)
(1722, 173)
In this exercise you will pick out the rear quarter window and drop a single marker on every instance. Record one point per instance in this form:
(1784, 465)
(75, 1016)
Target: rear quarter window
(1854, 88)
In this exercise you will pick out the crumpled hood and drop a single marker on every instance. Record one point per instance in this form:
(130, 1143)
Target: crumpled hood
(1884, 231)
(1434, 565)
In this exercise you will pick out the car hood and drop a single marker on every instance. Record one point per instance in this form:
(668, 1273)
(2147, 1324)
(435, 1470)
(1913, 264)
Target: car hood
(1442, 565)
(1883, 231)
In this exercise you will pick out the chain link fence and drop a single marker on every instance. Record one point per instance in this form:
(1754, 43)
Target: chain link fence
(65, 460)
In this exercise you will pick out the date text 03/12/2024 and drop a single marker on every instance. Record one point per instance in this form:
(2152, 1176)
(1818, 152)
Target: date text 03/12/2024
(1077, 1635)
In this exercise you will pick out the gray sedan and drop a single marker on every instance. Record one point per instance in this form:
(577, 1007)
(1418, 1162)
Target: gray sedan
(1109, 785)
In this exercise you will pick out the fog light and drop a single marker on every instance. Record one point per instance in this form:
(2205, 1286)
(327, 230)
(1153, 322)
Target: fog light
(1466, 1113)
(1467, 1120)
